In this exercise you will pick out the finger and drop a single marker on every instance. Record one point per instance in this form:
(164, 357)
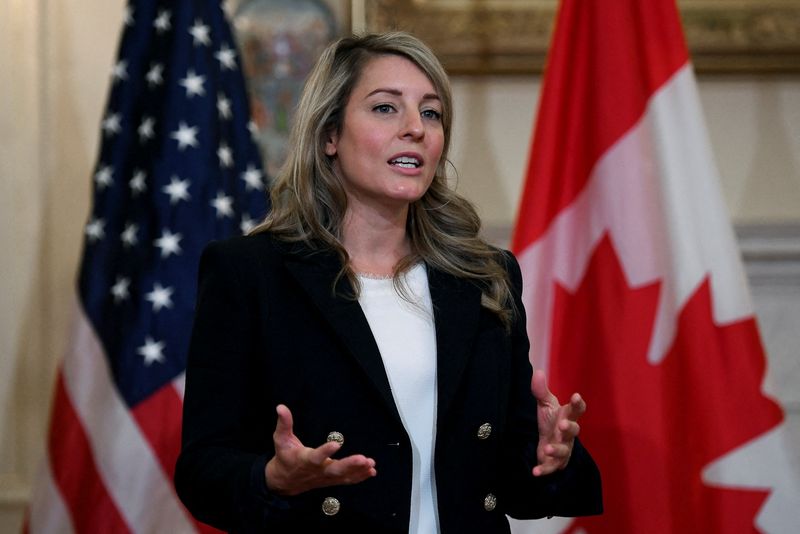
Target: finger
(576, 407)
(544, 469)
(284, 426)
(351, 469)
(360, 475)
(569, 429)
(356, 462)
(556, 457)
(540, 390)
(322, 454)
(558, 451)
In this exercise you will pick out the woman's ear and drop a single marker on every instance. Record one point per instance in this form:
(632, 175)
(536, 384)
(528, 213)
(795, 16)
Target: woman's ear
(331, 143)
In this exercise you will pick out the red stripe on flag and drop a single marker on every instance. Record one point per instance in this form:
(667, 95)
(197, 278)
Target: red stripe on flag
(91, 507)
(642, 46)
(159, 417)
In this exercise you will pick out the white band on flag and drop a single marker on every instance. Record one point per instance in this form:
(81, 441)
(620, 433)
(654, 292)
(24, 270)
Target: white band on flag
(47, 512)
(681, 235)
(179, 383)
(761, 464)
(125, 461)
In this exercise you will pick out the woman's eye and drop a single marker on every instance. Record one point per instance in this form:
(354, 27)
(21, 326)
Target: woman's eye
(431, 114)
(383, 108)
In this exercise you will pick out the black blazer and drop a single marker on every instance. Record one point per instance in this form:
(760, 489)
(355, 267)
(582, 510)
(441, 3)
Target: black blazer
(270, 329)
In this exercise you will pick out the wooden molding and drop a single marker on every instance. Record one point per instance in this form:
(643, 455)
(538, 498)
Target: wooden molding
(512, 37)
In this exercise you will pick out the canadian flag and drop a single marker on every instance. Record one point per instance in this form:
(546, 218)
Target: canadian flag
(634, 289)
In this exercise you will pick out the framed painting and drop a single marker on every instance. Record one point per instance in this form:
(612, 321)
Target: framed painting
(280, 40)
(512, 36)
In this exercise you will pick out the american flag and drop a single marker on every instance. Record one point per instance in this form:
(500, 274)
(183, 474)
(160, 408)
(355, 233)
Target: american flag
(177, 168)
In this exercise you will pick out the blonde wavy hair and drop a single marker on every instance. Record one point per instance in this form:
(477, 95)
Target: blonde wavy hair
(309, 200)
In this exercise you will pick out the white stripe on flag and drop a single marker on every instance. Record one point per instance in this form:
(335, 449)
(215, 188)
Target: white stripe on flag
(179, 383)
(130, 471)
(670, 187)
(47, 512)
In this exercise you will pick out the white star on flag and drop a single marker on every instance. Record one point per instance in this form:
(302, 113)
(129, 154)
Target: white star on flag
(162, 23)
(223, 107)
(145, 129)
(169, 243)
(152, 351)
(177, 190)
(185, 135)
(120, 289)
(103, 177)
(127, 17)
(128, 235)
(111, 124)
(137, 182)
(225, 155)
(161, 297)
(199, 33)
(226, 57)
(120, 70)
(193, 84)
(253, 128)
(94, 229)
(252, 177)
(247, 224)
(154, 76)
(223, 204)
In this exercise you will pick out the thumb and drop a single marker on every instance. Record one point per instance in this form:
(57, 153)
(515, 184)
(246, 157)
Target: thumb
(284, 426)
(539, 388)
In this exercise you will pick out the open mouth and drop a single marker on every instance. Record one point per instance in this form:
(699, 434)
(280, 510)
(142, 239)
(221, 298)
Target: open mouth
(405, 162)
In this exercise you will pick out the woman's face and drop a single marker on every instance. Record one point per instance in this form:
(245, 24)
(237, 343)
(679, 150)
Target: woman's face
(391, 138)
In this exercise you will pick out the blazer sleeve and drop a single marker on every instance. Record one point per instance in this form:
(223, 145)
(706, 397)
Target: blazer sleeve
(573, 491)
(220, 470)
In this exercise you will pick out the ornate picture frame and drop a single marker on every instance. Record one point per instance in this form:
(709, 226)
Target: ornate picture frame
(512, 36)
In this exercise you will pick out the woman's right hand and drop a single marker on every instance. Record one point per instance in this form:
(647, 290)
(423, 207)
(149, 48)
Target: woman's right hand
(296, 468)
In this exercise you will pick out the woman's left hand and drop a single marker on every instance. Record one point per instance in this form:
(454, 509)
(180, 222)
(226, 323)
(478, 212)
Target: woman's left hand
(558, 426)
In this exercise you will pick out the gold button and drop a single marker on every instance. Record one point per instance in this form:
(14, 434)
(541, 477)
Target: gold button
(337, 437)
(484, 431)
(331, 506)
(489, 503)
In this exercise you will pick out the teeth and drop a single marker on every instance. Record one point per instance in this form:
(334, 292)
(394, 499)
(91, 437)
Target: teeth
(406, 162)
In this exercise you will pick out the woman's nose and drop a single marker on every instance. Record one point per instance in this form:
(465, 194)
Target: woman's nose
(413, 126)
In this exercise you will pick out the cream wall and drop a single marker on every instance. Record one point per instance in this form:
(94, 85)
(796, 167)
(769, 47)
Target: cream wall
(20, 231)
(753, 123)
(55, 59)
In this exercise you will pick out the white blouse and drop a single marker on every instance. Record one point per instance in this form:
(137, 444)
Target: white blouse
(406, 338)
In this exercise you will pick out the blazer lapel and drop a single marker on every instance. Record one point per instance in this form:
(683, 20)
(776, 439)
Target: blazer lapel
(315, 272)
(456, 308)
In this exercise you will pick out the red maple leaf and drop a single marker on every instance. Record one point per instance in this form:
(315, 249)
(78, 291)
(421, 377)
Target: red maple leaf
(653, 428)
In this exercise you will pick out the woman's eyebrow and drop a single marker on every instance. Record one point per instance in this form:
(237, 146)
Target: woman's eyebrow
(398, 92)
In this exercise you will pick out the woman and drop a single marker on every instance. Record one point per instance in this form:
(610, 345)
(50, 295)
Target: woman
(359, 363)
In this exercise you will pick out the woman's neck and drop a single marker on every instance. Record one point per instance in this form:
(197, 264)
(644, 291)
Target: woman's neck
(375, 241)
